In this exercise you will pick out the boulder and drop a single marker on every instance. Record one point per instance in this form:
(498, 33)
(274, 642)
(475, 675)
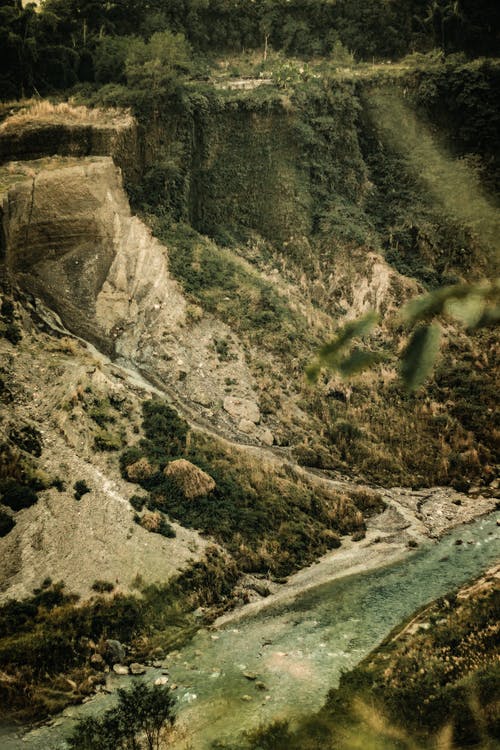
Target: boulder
(120, 669)
(267, 437)
(242, 408)
(189, 478)
(246, 426)
(137, 668)
(161, 680)
(115, 652)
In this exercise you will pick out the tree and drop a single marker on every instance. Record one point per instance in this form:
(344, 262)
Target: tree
(142, 713)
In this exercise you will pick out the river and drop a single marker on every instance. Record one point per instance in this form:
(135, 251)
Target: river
(295, 652)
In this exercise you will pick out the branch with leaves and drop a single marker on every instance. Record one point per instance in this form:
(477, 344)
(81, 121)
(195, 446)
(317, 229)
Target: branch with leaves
(473, 306)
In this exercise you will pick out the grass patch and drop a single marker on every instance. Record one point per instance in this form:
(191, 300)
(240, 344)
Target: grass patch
(269, 518)
(45, 638)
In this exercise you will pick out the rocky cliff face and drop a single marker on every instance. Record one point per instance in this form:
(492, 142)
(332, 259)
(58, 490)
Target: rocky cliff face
(70, 239)
(35, 138)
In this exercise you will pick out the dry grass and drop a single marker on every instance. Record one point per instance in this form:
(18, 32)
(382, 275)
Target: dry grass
(44, 111)
(190, 479)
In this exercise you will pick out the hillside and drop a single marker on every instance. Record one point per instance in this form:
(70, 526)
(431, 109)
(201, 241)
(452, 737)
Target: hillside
(183, 224)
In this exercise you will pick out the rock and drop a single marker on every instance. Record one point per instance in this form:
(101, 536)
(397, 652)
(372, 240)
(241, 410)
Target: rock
(267, 437)
(498, 521)
(120, 669)
(174, 686)
(201, 397)
(246, 697)
(242, 408)
(114, 653)
(189, 478)
(250, 675)
(136, 668)
(161, 680)
(458, 542)
(97, 661)
(260, 685)
(157, 664)
(246, 426)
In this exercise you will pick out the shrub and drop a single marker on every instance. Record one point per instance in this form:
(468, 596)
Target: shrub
(6, 523)
(81, 488)
(16, 495)
(13, 333)
(137, 502)
(28, 439)
(103, 587)
(141, 714)
(106, 441)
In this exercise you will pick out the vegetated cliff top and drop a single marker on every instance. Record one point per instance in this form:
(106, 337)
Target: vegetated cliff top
(43, 111)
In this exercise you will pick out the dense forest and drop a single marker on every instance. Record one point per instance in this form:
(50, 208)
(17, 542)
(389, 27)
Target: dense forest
(64, 42)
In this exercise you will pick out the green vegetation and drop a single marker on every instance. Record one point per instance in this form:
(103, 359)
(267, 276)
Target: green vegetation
(20, 480)
(269, 519)
(218, 279)
(138, 721)
(45, 639)
(9, 328)
(81, 488)
(65, 42)
(7, 523)
(432, 686)
(103, 587)
(474, 305)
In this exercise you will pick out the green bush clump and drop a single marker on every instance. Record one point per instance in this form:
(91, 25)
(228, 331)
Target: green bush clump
(107, 441)
(138, 501)
(103, 587)
(7, 523)
(15, 495)
(47, 634)
(267, 521)
(28, 439)
(136, 722)
(166, 529)
(81, 488)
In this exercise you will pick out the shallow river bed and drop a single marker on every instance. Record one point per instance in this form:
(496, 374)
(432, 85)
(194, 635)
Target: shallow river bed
(293, 654)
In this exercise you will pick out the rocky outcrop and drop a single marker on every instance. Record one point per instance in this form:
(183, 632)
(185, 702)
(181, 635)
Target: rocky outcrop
(121, 140)
(71, 240)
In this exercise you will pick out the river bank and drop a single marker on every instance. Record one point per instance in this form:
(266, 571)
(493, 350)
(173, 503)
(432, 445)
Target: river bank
(296, 651)
(410, 518)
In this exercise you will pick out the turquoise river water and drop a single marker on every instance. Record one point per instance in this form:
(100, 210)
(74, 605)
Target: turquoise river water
(296, 651)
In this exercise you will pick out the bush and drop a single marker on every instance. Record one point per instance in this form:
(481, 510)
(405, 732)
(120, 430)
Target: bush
(106, 441)
(28, 439)
(13, 333)
(16, 495)
(137, 721)
(103, 587)
(137, 502)
(6, 523)
(81, 488)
